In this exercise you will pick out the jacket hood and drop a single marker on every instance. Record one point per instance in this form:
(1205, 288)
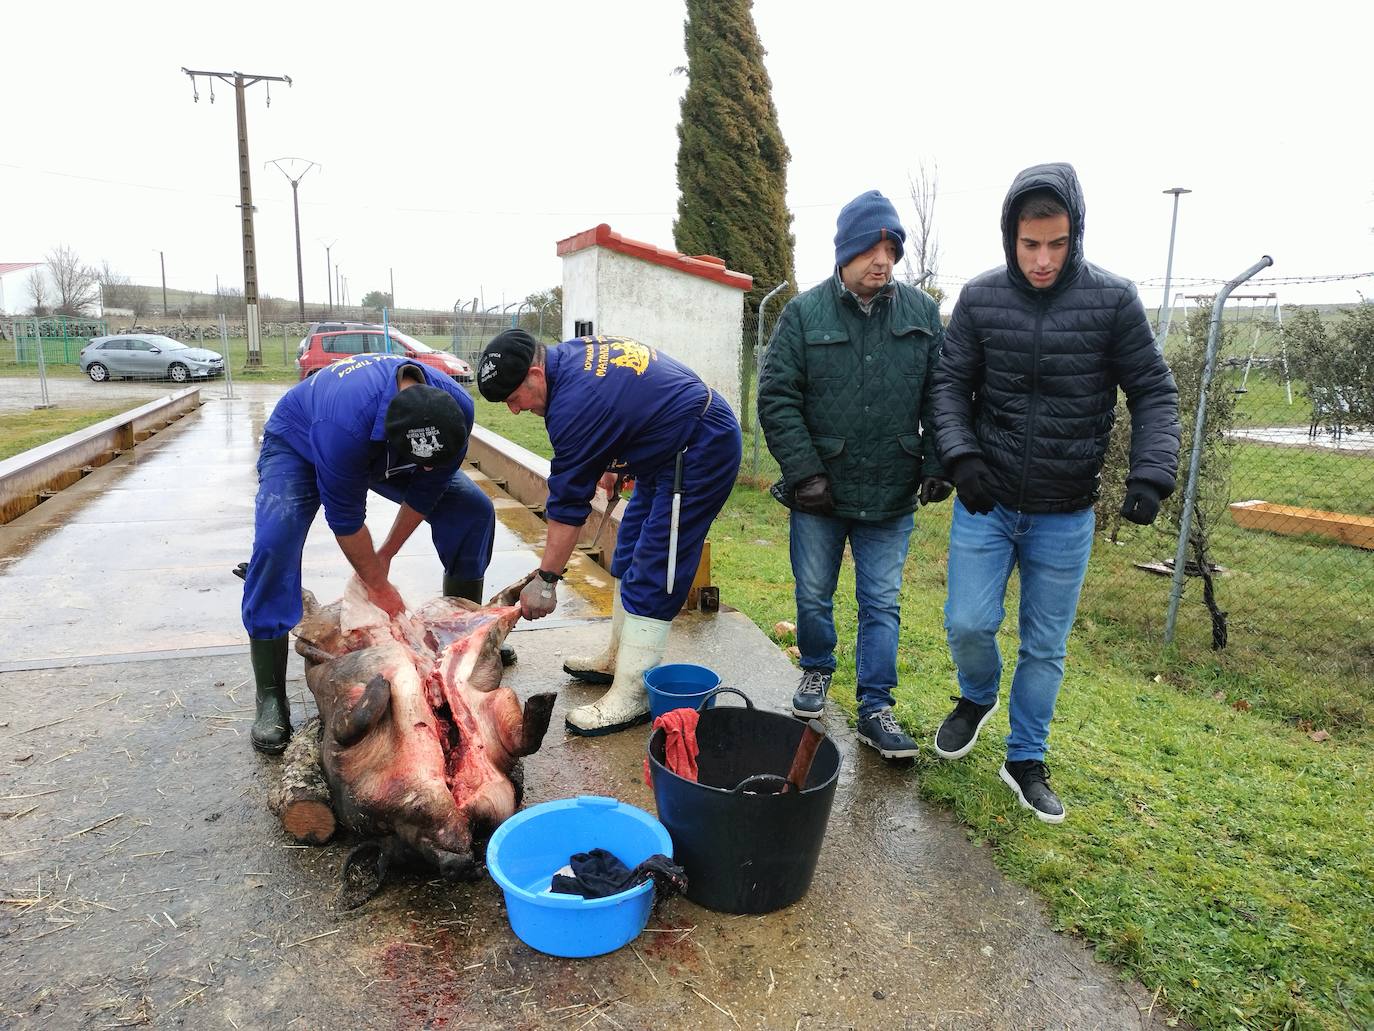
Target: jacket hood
(1060, 178)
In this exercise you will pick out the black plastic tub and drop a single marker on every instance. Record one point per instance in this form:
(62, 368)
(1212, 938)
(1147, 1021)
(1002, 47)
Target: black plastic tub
(746, 847)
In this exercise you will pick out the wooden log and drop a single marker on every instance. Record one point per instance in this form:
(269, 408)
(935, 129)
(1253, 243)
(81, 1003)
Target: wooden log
(301, 797)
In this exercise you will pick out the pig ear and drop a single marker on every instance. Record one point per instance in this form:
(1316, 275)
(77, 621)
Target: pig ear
(351, 722)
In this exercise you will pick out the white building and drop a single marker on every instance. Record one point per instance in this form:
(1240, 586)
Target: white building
(690, 307)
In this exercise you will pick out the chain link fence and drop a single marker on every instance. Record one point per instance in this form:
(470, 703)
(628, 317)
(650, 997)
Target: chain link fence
(1280, 559)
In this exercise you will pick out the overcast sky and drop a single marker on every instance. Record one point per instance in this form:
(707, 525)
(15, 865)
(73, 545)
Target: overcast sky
(458, 142)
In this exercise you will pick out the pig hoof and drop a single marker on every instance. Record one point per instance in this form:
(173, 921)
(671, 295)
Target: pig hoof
(364, 873)
(507, 655)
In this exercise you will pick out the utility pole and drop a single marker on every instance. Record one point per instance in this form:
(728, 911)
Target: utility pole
(328, 276)
(1166, 310)
(296, 209)
(163, 262)
(338, 284)
(240, 81)
(391, 274)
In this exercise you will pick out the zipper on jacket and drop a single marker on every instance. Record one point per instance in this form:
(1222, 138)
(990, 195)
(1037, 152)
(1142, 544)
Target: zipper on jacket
(1040, 307)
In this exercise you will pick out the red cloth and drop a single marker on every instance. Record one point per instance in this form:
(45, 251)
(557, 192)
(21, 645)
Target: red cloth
(679, 744)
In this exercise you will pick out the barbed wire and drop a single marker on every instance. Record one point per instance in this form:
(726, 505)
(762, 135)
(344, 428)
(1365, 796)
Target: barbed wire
(1334, 277)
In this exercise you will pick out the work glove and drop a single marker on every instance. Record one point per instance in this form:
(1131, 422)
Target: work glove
(969, 473)
(934, 489)
(812, 495)
(538, 599)
(1141, 504)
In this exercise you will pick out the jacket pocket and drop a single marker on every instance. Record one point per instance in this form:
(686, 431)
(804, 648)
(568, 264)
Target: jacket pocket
(828, 355)
(828, 447)
(911, 348)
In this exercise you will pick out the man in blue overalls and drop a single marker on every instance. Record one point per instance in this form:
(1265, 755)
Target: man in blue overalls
(376, 422)
(616, 407)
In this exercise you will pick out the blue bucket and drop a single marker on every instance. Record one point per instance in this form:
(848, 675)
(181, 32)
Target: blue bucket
(678, 685)
(530, 847)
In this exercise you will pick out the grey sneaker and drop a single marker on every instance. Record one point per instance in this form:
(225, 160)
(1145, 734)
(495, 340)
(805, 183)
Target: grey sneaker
(809, 700)
(1030, 779)
(880, 730)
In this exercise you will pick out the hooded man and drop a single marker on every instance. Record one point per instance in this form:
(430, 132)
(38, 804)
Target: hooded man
(1024, 402)
(615, 407)
(844, 403)
(376, 422)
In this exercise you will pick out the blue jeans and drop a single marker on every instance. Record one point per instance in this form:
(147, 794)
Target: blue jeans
(879, 550)
(1052, 552)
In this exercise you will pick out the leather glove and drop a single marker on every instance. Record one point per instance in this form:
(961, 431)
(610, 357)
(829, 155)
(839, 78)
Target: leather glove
(538, 599)
(1141, 504)
(813, 495)
(934, 489)
(969, 473)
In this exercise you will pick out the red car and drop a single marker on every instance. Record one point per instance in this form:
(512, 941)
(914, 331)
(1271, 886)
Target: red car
(323, 348)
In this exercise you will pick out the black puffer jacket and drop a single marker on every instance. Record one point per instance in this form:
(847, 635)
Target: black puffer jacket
(1028, 377)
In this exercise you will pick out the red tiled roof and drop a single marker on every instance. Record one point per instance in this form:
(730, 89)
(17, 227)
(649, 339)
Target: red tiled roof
(15, 266)
(705, 265)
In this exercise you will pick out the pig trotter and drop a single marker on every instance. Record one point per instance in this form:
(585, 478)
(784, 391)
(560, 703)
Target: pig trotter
(272, 722)
(538, 709)
(352, 722)
(364, 874)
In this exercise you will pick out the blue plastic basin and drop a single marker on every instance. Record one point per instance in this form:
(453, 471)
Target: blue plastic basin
(678, 685)
(529, 848)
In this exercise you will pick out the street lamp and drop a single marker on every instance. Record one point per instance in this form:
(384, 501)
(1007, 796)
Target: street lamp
(1166, 308)
(328, 275)
(296, 207)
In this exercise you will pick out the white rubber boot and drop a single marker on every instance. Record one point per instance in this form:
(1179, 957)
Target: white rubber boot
(626, 704)
(600, 669)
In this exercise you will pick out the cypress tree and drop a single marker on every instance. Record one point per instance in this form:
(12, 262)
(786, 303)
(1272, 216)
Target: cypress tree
(732, 160)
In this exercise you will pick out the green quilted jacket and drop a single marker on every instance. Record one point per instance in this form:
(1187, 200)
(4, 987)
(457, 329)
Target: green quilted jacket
(845, 394)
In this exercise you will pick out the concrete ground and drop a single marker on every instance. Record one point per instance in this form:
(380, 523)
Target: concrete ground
(143, 882)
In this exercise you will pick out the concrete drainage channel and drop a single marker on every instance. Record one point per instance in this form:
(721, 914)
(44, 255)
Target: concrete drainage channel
(30, 478)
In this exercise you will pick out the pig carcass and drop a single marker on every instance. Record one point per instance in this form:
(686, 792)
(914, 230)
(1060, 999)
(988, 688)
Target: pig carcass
(419, 740)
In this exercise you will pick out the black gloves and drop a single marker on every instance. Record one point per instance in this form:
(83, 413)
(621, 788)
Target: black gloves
(1142, 502)
(934, 489)
(812, 495)
(969, 473)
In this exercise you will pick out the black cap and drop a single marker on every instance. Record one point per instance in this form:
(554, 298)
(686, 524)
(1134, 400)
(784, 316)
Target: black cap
(505, 364)
(425, 424)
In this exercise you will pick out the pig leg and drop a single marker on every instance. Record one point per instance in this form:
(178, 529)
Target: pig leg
(519, 733)
(352, 721)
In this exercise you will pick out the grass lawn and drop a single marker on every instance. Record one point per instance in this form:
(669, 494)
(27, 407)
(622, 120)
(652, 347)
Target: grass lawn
(1213, 848)
(20, 431)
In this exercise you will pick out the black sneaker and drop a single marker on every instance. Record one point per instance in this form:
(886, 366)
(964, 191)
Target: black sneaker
(959, 733)
(809, 701)
(880, 730)
(1030, 779)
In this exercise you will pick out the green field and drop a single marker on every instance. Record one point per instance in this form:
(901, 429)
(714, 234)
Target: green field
(1214, 849)
(20, 431)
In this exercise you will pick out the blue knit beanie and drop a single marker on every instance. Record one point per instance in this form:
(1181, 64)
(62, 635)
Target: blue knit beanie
(865, 222)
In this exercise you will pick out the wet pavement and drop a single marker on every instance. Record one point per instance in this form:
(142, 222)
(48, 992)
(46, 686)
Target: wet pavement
(143, 881)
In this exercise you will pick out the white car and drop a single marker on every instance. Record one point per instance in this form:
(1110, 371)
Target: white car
(150, 356)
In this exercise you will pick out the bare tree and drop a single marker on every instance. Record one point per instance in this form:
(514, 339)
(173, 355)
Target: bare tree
(38, 290)
(77, 285)
(923, 245)
(118, 291)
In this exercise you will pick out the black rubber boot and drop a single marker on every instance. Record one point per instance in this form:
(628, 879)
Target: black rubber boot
(272, 727)
(471, 590)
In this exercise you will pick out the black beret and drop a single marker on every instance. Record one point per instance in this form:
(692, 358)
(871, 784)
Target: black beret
(425, 424)
(505, 364)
